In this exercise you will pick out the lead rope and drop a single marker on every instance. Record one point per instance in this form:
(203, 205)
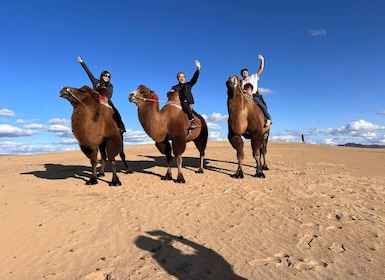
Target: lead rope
(68, 90)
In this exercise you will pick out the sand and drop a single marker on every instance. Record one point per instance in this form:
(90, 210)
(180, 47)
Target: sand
(318, 214)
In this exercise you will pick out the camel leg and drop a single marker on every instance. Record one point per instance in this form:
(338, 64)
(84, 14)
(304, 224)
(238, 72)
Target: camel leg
(113, 148)
(123, 157)
(165, 148)
(179, 146)
(103, 154)
(256, 145)
(93, 156)
(201, 146)
(115, 179)
(180, 178)
(264, 150)
(263, 158)
(237, 143)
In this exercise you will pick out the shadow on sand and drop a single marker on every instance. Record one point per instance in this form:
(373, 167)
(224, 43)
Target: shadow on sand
(185, 259)
(61, 172)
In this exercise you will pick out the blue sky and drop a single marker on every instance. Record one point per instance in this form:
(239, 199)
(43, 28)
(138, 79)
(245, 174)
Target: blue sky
(324, 71)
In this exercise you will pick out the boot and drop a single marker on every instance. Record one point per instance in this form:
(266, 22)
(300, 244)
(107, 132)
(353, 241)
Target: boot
(193, 124)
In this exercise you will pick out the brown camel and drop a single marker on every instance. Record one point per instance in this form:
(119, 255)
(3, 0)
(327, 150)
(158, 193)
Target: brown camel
(246, 119)
(169, 124)
(95, 129)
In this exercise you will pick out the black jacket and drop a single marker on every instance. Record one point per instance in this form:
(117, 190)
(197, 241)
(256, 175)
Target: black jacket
(97, 83)
(185, 89)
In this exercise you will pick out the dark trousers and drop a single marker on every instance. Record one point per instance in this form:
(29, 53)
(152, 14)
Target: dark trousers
(117, 117)
(262, 104)
(186, 108)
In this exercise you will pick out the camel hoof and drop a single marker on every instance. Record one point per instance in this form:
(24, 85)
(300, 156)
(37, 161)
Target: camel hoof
(180, 180)
(129, 170)
(115, 182)
(237, 175)
(200, 171)
(259, 175)
(265, 168)
(92, 181)
(101, 174)
(166, 177)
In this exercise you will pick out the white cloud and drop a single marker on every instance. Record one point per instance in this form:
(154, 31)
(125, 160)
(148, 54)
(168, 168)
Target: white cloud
(211, 125)
(7, 113)
(317, 32)
(215, 117)
(35, 126)
(60, 121)
(265, 91)
(13, 131)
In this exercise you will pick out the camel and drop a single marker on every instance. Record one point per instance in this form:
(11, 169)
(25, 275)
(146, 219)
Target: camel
(246, 119)
(95, 129)
(169, 124)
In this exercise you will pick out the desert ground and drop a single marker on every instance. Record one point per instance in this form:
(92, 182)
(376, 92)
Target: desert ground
(318, 214)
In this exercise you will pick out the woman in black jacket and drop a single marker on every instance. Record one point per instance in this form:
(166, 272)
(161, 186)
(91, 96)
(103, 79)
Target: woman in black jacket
(104, 82)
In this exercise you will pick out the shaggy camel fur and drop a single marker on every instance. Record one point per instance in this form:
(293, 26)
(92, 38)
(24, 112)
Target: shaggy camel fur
(169, 124)
(95, 129)
(246, 119)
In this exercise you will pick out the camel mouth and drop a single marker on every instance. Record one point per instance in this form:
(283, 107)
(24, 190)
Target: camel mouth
(132, 97)
(232, 81)
(64, 92)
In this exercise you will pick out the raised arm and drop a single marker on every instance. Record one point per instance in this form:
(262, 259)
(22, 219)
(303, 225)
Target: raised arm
(262, 65)
(90, 75)
(194, 79)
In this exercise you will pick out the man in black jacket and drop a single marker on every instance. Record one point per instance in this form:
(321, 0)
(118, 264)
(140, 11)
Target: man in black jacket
(185, 94)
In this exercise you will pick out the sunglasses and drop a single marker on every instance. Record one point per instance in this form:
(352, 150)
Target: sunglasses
(108, 76)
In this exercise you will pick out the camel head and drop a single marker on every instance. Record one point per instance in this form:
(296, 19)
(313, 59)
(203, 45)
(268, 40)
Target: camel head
(142, 94)
(84, 95)
(173, 95)
(233, 83)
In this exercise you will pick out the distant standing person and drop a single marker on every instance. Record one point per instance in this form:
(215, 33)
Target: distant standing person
(185, 93)
(253, 79)
(104, 82)
(303, 139)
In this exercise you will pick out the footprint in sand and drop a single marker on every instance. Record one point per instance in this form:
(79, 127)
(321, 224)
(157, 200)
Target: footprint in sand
(280, 259)
(303, 265)
(305, 241)
(337, 248)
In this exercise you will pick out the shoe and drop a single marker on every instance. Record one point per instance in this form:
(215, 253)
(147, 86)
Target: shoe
(193, 124)
(268, 122)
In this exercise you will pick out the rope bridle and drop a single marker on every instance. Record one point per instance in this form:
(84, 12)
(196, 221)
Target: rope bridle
(74, 96)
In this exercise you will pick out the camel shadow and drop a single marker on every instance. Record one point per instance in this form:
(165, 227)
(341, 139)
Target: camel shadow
(61, 172)
(226, 171)
(185, 259)
(54, 171)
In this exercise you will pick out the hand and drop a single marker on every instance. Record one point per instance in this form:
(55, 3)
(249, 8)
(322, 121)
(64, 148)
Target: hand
(261, 57)
(197, 64)
(80, 59)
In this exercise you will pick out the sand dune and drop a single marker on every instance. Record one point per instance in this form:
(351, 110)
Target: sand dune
(318, 214)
